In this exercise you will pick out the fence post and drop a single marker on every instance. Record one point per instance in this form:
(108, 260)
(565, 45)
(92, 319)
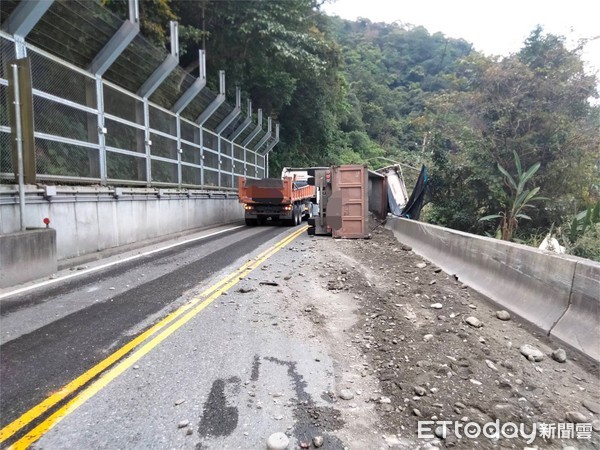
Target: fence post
(19, 138)
(147, 142)
(179, 151)
(101, 130)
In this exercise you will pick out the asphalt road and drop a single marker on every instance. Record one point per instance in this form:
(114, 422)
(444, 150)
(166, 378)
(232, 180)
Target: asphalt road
(52, 335)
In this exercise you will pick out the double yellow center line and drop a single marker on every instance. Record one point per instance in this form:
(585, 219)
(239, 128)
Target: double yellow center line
(168, 325)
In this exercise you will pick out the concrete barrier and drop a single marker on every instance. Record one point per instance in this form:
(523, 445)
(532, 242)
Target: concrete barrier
(27, 255)
(90, 219)
(580, 325)
(533, 284)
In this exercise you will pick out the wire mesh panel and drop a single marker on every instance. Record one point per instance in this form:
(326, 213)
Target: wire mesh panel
(164, 172)
(211, 177)
(226, 180)
(191, 175)
(4, 115)
(66, 160)
(163, 121)
(120, 104)
(225, 147)
(191, 154)
(57, 79)
(226, 164)
(65, 121)
(209, 140)
(211, 159)
(7, 53)
(125, 168)
(163, 146)
(250, 171)
(6, 167)
(238, 152)
(189, 132)
(123, 136)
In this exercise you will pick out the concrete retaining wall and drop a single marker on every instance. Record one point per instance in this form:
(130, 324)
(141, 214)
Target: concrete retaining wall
(559, 294)
(27, 255)
(88, 219)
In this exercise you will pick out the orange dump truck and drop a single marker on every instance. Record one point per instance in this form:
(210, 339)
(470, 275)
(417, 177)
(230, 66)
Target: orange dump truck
(288, 199)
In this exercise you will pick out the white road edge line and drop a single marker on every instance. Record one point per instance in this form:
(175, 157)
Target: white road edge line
(114, 263)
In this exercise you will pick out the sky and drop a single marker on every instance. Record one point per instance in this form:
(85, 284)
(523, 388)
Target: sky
(494, 28)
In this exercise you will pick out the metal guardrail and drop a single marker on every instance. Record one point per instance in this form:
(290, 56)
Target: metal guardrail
(91, 130)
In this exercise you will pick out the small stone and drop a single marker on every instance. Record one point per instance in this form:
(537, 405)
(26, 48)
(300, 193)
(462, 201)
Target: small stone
(385, 400)
(428, 337)
(420, 391)
(387, 407)
(179, 402)
(421, 265)
(417, 413)
(559, 355)
(475, 382)
(318, 441)
(246, 290)
(531, 353)
(441, 432)
(280, 417)
(183, 423)
(304, 444)
(474, 322)
(436, 306)
(189, 432)
(278, 441)
(346, 394)
(576, 417)
(503, 315)
(592, 406)
(460, 405)
(491, 365)
(596, 425)
(111, 288)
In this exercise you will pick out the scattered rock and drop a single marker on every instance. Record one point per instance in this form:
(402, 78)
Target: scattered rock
(245, 290)
(592, 406)
(576, 417)
(421, 265)
(559, 355)
(268, 283)
(474, 322)
(385, 400)
(428, 337)
(420, 391)
(183, 423)
(436, 306)
(278, 441)
(179, 402)
(596, 425)
(189, 431)
(531, 353)
(441, 432)
(503, 315)
(304, 444)
(417, 413)
(318, 441)
(460, 405)
(491, 365)
(346, 394)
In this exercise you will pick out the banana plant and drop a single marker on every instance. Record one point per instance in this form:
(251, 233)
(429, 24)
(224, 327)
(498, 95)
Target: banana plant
(583, 221)
(520, 198)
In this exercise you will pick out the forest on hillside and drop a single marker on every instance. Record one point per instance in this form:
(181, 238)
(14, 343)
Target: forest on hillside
(511, 144)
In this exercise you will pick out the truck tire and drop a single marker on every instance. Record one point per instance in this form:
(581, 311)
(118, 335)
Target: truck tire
(251, 222)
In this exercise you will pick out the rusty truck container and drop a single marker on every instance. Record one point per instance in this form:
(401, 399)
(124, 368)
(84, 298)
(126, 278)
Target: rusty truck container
(347, 208)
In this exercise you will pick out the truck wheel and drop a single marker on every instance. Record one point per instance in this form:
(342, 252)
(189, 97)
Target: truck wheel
(251, 222)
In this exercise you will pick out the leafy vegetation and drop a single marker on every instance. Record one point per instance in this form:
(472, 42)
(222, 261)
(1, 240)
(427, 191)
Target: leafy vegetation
(356, 91)
(518, 199)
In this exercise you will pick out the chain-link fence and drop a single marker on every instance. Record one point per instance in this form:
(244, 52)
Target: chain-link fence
(97, 129)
